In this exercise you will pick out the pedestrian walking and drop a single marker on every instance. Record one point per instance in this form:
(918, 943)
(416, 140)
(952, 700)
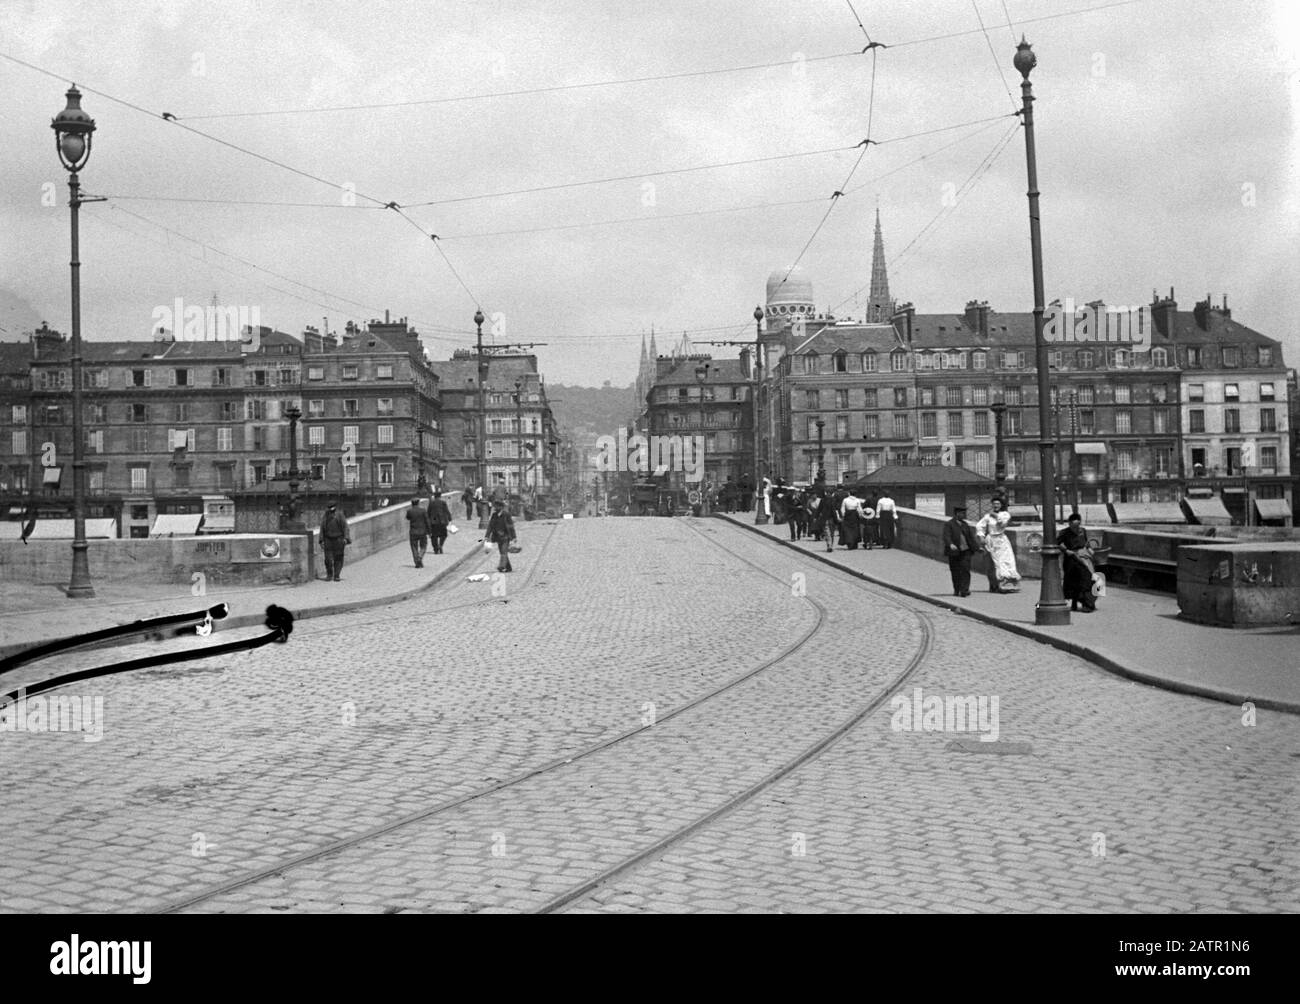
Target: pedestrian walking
(1079, 568)
(992, 532)
(960, 545)
(334, 537)
(746, 500)
(851, 517)
(501, 532)
(467, 496)
(886, 519)
(418, 529)
(439, 520)
(870, 532)
(829, 515)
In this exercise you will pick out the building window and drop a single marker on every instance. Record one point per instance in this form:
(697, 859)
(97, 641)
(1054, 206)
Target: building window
(927, 396)
(841, 399)
(351, 434)
(385, 474)
(139, 478)
(979, 360)
(1231, 419)
(1231, 392)
(94, 378)
(1117, 358)
(139, 413)
(221, 377)
(315, 373)
(1123, 421)
(1194, 357)
(953, 361)
(1124, 463)
(898, 361)
(870, 399)
(1265, 393)
(51, 414)
(872, 426)
(979, 396)
(954, 423)
(1196, 420)
(18, 442)
(384, 371)
(1232, 459)
(181, 412)
(385, 405)
(868, 362)
(810, 362)
(316, 409)
(1163, 457)
(316, 435)
(1159, 358)
(1011, 395)
(952, 397)
(1265, 355)
(350, 408)
(812, 399)
(841, 360)
(900, 427)
(841, 427)
(812, 427)
(1123, 393)
(1267, 420)
(981, 423)
(286, 376)
(99, 414)
(385, 434)
(900, 397)
(225, 441)
(1083, 359)
(1013, 423)
(351, 475)
(1159, 420)
(1268, 459)
(180, 378)
(1231, 356)
(1196, 392)
(350, 371)
(256, 410)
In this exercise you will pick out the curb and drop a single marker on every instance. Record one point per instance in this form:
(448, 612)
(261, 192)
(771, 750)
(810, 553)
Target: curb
(258, 619)
(1073, 648)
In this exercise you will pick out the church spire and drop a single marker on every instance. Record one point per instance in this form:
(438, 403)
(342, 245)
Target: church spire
(880, 308)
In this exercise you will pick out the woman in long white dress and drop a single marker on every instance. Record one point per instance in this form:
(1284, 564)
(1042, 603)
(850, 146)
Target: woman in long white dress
(992, 533)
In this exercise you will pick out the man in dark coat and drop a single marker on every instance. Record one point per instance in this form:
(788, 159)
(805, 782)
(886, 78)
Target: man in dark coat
(439, 518)
(960, 545)
(333, 538)
(418, 527)
(1078, 568)
(501, 531)
(746, 494)
(467, 496)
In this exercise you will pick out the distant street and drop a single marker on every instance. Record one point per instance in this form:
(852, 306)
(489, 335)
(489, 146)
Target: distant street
(574, 745)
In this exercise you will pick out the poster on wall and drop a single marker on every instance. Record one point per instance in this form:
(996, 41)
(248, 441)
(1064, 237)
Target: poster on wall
(259, 550)
(930, 502)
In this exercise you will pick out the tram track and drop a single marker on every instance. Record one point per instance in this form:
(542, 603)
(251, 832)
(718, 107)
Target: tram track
(565, 762)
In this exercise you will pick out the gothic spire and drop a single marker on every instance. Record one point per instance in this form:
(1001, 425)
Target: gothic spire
(880, 308)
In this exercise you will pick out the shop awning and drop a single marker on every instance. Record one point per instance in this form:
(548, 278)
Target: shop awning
(1208, 512)
(176, 525)
(1273, 508)
(1099, 449)
(1149, 512)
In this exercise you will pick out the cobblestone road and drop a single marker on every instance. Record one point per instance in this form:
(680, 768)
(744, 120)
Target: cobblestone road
(1098, 795)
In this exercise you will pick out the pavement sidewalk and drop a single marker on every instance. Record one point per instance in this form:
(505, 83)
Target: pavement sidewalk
(33, 613)
(1135, 633)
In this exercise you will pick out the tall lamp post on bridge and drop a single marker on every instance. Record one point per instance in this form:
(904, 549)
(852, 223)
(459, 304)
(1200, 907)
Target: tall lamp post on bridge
(482, 420)
(999, 409)
(760, 514)
(519, 443)
(73, 130)
(292, 509)
(821, 453)
(1052, 608)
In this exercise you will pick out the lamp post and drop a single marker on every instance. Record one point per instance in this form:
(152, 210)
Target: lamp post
(999, 408)
(821, 453)
(482, 418)
(292, 523)
(519, 444)
(73, 130)
(1052, 608)
(701, 376)
(760, 515)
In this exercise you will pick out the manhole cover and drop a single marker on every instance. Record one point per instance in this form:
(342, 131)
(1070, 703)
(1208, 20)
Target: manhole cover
(975, 746)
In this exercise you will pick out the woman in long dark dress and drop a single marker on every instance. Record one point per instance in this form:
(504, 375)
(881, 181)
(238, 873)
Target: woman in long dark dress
(1078, 570)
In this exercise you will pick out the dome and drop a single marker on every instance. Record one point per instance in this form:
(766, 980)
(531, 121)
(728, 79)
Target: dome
(795, 294)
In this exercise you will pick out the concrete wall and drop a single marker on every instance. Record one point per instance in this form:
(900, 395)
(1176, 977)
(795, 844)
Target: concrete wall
(1242, 585)
(922, 533)
(242, 559)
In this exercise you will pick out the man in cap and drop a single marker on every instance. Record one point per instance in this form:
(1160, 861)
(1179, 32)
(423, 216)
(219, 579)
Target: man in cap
(960, 545)
(439, 518)
(501, 532)
(419, 531)
(333, 538)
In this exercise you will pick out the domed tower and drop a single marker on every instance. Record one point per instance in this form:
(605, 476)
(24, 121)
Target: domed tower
(789, 304)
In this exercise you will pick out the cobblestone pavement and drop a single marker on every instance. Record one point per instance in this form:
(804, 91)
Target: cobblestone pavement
(1099, 795)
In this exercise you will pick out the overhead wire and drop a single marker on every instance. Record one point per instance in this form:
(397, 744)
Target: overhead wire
(996, 62)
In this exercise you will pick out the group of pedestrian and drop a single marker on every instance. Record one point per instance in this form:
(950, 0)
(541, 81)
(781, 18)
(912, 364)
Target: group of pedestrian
(427, 526)
(736, 496)
(840, 514)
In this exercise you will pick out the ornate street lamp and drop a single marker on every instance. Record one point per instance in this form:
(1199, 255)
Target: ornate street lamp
(760, 516)
(482, 419)
(73, 131)
(999, 408)
(293, 508)
(1052, 608)
(519, 446)
(701, 376)
(821, 453)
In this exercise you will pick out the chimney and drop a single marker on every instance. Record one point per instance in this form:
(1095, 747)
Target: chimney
(1202, 313)
(1162, 313)
(903, 319)
(973, 314)
(1227, 314)
(385, 316)
(984, 319)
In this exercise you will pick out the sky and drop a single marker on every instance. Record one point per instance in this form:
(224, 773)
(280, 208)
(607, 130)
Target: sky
(1165, 129)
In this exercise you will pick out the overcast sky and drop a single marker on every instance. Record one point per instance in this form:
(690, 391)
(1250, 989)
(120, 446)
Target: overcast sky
(1166, 134)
